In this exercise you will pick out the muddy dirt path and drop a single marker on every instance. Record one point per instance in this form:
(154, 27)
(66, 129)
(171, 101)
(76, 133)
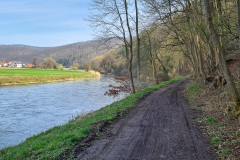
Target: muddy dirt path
(160, 127)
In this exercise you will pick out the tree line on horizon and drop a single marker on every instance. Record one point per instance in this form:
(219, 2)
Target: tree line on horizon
(66, 55)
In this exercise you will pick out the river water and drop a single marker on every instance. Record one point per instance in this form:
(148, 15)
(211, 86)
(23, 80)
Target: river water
(31, 109)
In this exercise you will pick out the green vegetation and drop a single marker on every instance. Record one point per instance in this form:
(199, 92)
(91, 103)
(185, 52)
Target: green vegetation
(64, 62)
(27, 76)
(75, 66)
(195, 116)
(223, 152)
(216, 142)
(49, 63)
(192, 91)
(53, 142)
(236, 134)
(87, 67)
(218, 126)
(210, 120)
(218, 118)
(169, 94)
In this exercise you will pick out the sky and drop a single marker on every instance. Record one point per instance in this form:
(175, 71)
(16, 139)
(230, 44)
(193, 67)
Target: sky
(44, 23)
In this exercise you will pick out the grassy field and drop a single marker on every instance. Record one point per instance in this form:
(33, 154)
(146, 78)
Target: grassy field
(28, 76)
(58, 140)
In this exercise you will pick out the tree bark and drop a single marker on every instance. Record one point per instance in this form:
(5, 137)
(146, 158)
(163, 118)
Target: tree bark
(131, 51)
(221, 58)
(238, 12)
(138, 49)
(155, 80)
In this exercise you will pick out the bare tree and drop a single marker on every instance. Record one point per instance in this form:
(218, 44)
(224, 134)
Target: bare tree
(138, 47)
(222, 61)
(238, 12)
(130, 46)
(109, 23)
(35, 62)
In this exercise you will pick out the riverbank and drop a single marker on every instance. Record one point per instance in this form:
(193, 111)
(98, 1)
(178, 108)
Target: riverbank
(33, 76)
(60, 140)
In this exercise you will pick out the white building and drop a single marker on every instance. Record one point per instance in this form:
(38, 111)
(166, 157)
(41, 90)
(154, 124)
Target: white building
(5, 65)
(16, 64)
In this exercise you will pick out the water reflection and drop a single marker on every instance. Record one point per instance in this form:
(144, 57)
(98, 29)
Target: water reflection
(31, 109)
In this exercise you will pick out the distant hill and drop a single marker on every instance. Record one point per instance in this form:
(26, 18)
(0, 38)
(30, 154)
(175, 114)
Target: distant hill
(80, 52)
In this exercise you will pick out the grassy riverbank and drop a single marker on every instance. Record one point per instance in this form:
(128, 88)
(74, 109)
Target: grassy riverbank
(62, 139)
(30, 76)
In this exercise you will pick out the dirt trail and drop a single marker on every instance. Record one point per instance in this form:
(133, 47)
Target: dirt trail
(160, 127)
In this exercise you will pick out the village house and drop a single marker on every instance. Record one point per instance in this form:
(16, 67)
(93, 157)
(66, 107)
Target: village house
(13, 64)
(30, 66)
(16, 64)
(9, 64)
(4, 64)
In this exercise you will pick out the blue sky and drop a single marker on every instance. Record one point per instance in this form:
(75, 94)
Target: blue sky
(44, 23)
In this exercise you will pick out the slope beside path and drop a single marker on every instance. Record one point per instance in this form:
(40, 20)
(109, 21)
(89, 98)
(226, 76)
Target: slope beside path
(161, 127)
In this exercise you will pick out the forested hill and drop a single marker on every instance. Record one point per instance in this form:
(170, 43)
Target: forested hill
(80, 52)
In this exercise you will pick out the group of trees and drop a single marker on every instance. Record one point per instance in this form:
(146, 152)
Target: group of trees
(75, 66)
(49, 63)
(110, 62)
(175, 36)
(112, 20)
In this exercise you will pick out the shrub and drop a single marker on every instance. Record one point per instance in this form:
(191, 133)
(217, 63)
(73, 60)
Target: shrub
(87, 66)
(75, 66)
(60, 67)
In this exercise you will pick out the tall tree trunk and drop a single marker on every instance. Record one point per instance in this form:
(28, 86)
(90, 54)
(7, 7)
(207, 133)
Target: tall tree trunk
(222, 61)
(238, 12)
(165, 71)
(201, 61)
(131, 51)
(155, 80)
(198, 49)
(138, 49)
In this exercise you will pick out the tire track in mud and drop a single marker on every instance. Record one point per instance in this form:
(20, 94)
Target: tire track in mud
(160, 127)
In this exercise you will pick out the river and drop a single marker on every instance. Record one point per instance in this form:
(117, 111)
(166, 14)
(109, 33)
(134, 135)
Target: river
(31, 109)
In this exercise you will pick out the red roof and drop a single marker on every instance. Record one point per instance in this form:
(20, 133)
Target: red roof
(30, 65)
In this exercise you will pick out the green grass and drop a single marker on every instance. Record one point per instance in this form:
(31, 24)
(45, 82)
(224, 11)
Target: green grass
(169, 94)
(37, 72)
(28, 76)
(236, 134)
(210, 120)
(196, 116)
(218, 126)
(216, 142)
(223, 152)
(192, 91)
(53, 142)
